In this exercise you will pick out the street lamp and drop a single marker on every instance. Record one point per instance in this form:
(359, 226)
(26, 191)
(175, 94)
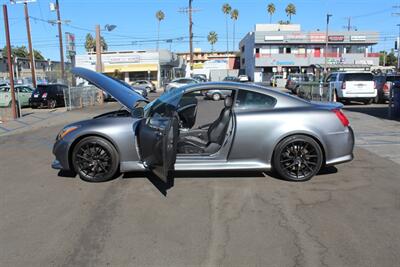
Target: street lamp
(326, 43)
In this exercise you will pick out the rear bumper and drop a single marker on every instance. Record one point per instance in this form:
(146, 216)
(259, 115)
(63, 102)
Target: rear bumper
(340, 147)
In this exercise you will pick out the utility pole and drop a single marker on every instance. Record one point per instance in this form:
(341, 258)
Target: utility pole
(28, 31)
(190, 10)
(398, 50)
(326, 43)
(99, 66)
(9, 62)
(190, 35)
(60, 40)
(31, 55)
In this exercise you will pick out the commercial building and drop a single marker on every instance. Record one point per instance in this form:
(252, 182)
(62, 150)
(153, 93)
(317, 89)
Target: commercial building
(284, 49)
(46, 70)
(201, 57)
(157, 66)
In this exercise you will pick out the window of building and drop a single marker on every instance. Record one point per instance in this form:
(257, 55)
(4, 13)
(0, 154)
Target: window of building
(288, 50)
(243, 61)
(253, 100)
(242, 48)
(281, 50)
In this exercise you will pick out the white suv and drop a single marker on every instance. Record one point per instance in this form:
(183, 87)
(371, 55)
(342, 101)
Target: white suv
(347, 86)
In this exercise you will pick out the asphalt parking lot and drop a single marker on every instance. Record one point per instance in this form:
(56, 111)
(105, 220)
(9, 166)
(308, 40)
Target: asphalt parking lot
(346, 216)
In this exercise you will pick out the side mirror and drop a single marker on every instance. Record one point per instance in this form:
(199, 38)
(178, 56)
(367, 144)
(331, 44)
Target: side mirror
(138, 112)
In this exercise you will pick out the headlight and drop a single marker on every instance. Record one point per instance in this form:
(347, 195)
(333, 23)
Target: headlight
(66, 131)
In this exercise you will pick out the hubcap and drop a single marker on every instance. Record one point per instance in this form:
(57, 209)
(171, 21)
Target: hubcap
(93, 160)
(299, 159)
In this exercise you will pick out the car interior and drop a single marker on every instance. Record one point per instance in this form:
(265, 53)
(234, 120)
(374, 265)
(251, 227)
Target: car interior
(207, 138)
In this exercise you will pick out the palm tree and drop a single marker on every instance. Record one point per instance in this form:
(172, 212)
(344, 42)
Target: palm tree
(271, 10)
(212, 39)
(290, 11)
(234, 17)
(160, 16)
(226, 9)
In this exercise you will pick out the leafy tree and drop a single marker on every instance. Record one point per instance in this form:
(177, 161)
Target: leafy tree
(226, 9)
(391, 59)
(283, 22)
(234, 17)
(271, 10)
(160, 16)
(90, 43)
(212, 39)
(38, 55)
(290, 11)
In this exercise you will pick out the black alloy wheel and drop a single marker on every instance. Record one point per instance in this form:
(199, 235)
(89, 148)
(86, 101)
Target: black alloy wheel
(95, 159)
(298, 158)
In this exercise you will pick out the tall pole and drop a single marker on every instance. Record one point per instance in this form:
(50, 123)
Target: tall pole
(190, 35)
(31, 55)
(60, 40)
(398, 50)
(326, 43)
(99, 66)
(9, 61)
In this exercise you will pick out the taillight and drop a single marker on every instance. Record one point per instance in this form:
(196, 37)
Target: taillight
(343, 85)
(44, 95)
(343, 119)
(386, 86)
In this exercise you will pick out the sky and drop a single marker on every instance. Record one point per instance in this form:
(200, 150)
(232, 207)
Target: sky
(137, 25)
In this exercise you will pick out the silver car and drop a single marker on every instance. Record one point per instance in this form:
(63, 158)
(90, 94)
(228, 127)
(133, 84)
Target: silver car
(147, 85)
(176, 83)
(257, 129)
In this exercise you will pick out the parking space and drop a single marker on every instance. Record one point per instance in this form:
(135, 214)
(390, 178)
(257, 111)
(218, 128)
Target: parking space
(346, 216)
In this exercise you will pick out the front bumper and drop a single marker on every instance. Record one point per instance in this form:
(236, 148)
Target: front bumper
(60, 151)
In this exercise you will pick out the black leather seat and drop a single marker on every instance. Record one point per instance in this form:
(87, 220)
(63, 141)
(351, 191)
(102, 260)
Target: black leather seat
(215, 134)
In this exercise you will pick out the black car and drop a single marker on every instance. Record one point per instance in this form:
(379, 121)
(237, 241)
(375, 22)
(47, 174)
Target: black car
(48, 95)
(383, 84)
(231, 79)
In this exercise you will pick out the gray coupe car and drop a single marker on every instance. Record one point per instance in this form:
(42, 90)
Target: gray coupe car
(257, 129)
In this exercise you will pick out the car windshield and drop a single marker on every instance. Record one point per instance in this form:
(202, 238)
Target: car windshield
(393, 78)
(358, 77)
(43, 88)
(170, 98)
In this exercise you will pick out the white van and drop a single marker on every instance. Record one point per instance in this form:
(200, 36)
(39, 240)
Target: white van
(347, 86)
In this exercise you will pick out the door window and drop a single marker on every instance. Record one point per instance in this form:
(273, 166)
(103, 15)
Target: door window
(253, 100)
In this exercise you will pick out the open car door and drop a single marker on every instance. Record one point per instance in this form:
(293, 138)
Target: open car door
(157, 139)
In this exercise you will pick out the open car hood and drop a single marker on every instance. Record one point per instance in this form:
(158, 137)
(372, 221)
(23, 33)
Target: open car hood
(122, 93)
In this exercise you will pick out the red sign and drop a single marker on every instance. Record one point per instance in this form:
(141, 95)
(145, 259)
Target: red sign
(336, 38)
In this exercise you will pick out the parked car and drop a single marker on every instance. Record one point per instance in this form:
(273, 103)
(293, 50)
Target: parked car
(243, 78)
(272, 80)
(296, 139)
(180, 82)
(140, 90)
(216, 94)
(144, 84)
(231, 79)
(383, 83)
(22, 95)
(294, 80)
(200, 77)
(347, 86)
(48, 95)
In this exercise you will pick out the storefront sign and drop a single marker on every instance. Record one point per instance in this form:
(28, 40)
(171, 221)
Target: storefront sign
(317, 37)
(119, 59)
(273, 38)
(282, 63)
(358, 38)
(296, 36)
(70, 47)
(336, 38)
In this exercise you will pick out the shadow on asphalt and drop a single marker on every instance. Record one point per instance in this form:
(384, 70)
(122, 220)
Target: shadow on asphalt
(381, 112)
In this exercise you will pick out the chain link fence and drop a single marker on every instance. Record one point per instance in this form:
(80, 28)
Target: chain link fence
(82, 96)
(315, 91)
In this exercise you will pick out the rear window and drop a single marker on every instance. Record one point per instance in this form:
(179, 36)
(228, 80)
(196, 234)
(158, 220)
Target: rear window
(392, 78)
(358, 77)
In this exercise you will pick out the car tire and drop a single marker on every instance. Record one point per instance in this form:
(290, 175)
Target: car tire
(377, 99)
(51, 103)
(216, 97)
(95, 159)
(297, 158)
(367, 101)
